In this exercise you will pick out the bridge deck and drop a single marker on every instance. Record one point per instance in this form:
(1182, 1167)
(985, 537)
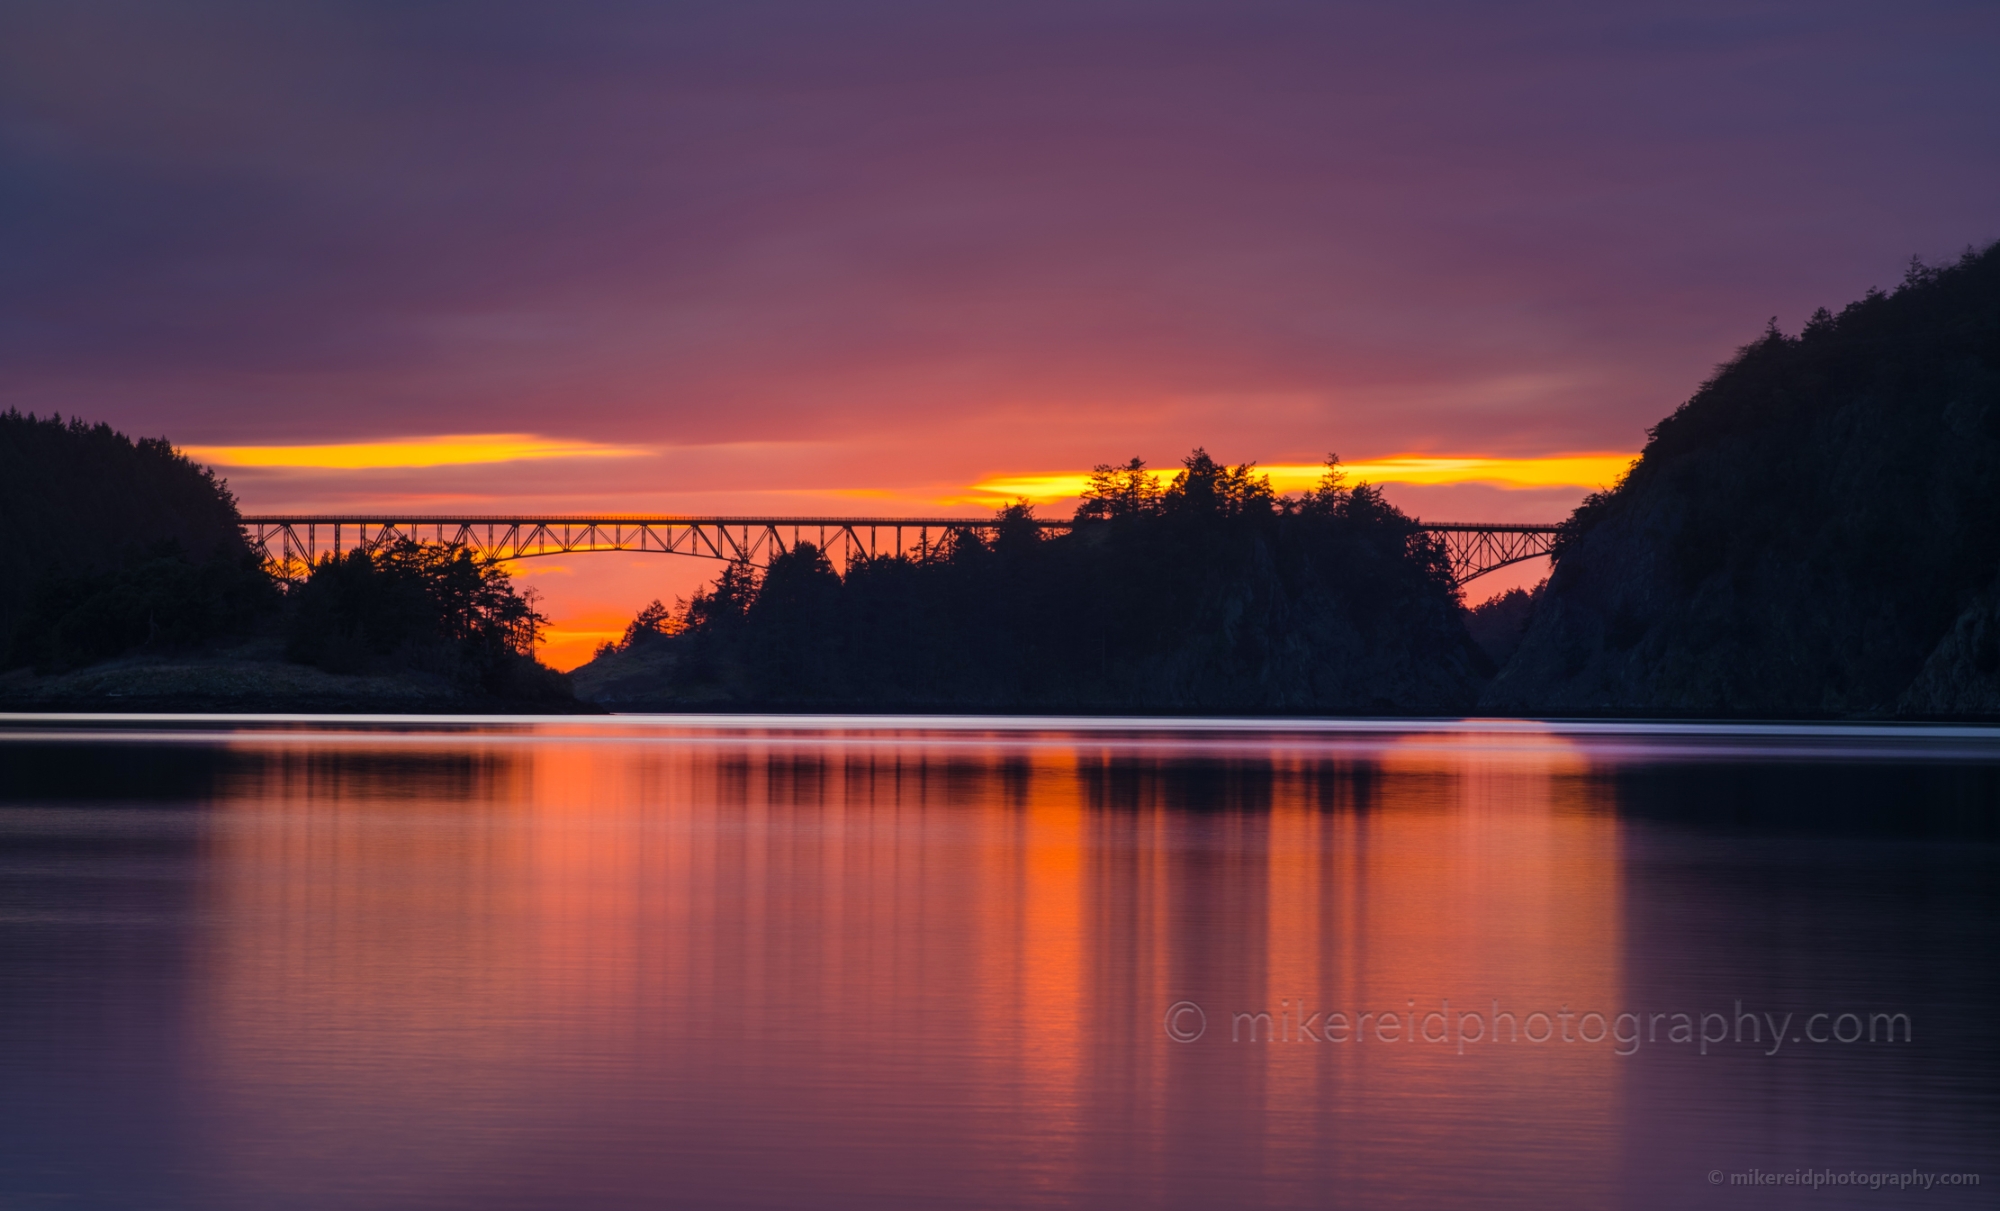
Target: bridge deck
(291, 541)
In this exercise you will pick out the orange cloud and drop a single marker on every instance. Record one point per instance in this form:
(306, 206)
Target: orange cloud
(441, 451)
(1592, 470)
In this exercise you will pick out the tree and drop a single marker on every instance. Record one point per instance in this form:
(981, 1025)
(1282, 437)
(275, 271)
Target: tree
(1329, 495)
(435, 606)
(1119, 492)
(1204, 487)
(1015, 532)
(723, 607)
(795, 617)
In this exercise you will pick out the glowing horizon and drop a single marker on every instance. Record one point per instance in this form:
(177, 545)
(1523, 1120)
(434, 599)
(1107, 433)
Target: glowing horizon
(591, 602)
(1592, 470)
(443, 450)
(1585, 470)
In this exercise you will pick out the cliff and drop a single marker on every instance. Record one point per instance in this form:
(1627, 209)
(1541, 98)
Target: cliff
(1815, 532)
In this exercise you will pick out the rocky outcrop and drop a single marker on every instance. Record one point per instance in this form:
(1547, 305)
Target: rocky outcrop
(1962, 676)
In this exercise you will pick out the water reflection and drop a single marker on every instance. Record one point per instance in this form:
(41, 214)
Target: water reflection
(613, 965)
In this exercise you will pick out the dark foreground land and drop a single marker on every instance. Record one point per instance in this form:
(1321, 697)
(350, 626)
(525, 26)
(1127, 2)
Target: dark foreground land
(1814, 534)
(1817, 531)
(254, 676)
(126, 585)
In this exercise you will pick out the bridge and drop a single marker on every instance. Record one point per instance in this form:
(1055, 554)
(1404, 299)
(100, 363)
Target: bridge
(289, 543)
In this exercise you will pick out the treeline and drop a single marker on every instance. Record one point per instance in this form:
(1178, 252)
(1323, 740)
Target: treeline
(426, 607)
(111, 546)
(107, 544)
(1210, 592)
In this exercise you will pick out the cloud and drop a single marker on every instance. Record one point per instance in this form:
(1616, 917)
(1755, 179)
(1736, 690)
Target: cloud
(1012, 230)
(1591, 470)
(452, 450)
(1598, 470)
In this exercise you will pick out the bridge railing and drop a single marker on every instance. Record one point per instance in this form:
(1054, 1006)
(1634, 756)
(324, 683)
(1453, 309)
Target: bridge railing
(290, 543)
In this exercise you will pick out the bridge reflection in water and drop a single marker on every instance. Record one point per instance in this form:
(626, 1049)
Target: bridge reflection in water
(290, 542)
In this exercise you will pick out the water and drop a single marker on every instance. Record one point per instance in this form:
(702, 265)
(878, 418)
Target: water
(983, 963)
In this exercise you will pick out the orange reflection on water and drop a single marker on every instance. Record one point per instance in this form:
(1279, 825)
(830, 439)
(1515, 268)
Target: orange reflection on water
(903, 954)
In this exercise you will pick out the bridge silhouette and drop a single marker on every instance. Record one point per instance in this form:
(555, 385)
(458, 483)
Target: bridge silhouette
(289, 543)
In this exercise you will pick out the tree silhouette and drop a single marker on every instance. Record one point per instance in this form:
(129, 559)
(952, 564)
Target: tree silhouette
(1210, 592)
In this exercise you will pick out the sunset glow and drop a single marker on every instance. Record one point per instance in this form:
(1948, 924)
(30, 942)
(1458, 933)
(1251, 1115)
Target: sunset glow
(450, 450)
(1589, 471)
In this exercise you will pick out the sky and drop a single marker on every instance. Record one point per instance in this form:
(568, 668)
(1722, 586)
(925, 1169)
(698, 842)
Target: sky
(905, 258)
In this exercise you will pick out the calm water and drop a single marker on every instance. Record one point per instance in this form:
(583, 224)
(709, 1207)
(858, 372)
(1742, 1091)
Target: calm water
(935, 963)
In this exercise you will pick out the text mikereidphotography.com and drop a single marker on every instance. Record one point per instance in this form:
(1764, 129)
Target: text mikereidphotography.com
(1463, 1028)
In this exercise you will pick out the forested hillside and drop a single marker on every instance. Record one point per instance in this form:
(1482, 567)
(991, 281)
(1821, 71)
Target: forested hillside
(111, 547)
(1816, 531)
(107, 543)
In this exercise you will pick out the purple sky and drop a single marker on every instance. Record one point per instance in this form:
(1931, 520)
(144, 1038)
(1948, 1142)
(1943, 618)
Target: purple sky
(902, 247)
(1492, 227)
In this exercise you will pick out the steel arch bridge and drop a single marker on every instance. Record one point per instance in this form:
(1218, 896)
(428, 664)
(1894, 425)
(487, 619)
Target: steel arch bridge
(289, 543)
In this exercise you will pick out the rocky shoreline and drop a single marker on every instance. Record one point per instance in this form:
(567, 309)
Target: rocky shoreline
(252, 678)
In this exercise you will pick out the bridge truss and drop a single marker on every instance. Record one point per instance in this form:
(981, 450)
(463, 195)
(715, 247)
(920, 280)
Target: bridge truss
(289, 544)
(1476, 549)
